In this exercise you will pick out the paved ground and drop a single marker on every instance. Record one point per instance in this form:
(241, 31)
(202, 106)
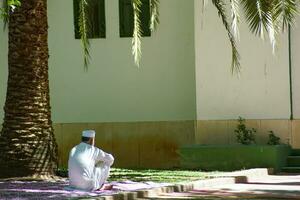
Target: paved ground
(60, 190)
(258, 186)
(268, 187)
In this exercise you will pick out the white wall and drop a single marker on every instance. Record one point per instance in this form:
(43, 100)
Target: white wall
(295, 47)
(114, 89)
(164, 87)
(262, 92)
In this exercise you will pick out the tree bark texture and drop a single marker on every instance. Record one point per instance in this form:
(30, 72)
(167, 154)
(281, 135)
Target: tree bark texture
(27, 142)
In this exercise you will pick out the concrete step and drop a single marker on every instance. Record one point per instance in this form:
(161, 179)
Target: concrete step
(295, 152)
(293, 161)
(288, 174)
(291, 169)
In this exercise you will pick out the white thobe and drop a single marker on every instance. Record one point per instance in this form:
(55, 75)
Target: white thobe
(88, 167)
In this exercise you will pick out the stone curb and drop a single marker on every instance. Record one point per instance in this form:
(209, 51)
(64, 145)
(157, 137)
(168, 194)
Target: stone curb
(253, 173)
(245, 175)
(223, 179)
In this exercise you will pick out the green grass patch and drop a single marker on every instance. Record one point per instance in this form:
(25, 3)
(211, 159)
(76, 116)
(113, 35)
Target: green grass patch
(165, 176)
(160, 176)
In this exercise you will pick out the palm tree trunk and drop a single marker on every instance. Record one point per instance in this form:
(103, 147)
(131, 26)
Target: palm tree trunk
(27, 143)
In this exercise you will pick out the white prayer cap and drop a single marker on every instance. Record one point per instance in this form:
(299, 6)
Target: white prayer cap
(88, 133)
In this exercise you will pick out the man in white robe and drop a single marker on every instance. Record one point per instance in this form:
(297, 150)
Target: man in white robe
(88, 165)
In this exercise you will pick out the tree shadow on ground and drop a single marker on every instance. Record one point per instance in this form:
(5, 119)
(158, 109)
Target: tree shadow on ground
(24, 190)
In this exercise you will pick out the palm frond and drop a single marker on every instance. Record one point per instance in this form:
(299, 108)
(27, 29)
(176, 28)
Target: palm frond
(260, 16)
(8, 6)
(204, 3)
(285, 12)
(235, 65)
(137, 32)
(83, 31)
(272, 30)
(154, 21)
(234, 5)
(4, 13)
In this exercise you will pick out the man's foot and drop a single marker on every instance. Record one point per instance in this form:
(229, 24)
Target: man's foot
(106, 187)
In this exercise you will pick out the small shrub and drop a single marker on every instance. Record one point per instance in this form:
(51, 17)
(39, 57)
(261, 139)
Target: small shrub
(244, 135)
(273, 139)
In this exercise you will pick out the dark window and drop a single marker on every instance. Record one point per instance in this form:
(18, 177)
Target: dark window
(95, 18)
(127, 18)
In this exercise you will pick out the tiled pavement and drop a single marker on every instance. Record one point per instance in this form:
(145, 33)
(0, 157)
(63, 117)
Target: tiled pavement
(264, 187)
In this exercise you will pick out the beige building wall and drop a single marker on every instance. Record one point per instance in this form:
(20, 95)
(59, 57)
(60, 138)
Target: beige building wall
(134, 145)
(222, 131)
(114, 89)
(261, 91)
(295, 55)
(295, 64)
(141, 115)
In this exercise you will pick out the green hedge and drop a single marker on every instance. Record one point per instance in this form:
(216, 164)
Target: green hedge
(233, 157)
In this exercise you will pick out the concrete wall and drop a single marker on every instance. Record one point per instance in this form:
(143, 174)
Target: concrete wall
(114, 89)
(295, 58)
(295, 52)
(134, 145)
(222, 131)
(141, 115)
(261, 92)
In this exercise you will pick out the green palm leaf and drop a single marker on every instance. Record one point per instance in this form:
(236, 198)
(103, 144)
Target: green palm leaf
(260, 17)
(154, 21)
(285, 12)
(4, 11)
(234, 5)
(83, 31)
(204, 3)
(235, 65)
(137, 32)
(7, 7)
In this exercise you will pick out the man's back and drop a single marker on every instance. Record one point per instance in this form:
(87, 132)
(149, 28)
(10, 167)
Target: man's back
(82, 161)
(81, 165)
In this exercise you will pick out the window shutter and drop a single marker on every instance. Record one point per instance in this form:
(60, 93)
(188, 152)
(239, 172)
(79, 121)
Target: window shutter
(95, 18)
(127, 18)
(76, 16)
(102, 20)
(145, 18)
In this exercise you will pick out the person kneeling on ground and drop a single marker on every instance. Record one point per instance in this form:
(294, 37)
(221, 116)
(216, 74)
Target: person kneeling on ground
(88, 165)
